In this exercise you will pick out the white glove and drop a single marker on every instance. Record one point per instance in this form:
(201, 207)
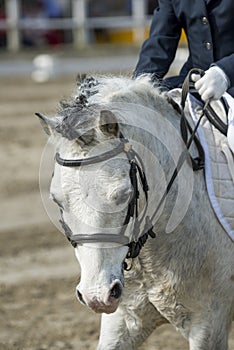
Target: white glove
(212, 85)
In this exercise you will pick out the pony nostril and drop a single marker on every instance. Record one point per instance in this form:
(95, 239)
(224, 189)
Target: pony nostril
(79, 297)
(116, 291)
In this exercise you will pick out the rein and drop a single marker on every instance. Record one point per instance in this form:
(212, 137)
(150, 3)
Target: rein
(207, 110)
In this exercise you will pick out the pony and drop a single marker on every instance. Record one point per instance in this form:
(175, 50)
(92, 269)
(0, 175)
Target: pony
(149, 253)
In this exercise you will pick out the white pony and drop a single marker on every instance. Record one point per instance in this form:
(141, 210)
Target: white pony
(112, 129)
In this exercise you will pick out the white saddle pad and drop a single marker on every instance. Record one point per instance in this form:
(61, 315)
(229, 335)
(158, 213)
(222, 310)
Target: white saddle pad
(219, 158)
(219, 165)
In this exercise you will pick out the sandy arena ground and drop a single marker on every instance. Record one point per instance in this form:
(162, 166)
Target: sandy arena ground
(38, 270)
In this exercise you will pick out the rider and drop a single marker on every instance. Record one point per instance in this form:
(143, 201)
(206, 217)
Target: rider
(208, 25)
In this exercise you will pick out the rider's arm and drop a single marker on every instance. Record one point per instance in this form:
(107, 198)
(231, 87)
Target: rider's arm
(159, 50)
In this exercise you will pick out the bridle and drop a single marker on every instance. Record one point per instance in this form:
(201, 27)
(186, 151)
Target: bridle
(136, 173)
(137, 167)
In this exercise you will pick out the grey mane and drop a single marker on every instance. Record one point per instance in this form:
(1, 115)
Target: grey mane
(76, 115)
(79, 115)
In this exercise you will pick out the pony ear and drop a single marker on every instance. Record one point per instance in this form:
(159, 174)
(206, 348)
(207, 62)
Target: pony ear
(48, 124)
(108, 123)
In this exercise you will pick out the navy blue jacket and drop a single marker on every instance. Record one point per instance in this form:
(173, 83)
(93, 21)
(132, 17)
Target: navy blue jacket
(209, 26)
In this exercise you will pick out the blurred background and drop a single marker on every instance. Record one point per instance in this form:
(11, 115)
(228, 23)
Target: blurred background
(44, 44)
(69, 30)
(27, 23)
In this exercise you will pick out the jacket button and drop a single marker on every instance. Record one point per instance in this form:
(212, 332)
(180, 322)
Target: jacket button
(208, 46)
(204, 20)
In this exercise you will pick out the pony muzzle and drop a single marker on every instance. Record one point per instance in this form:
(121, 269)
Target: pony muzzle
(102, 302)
